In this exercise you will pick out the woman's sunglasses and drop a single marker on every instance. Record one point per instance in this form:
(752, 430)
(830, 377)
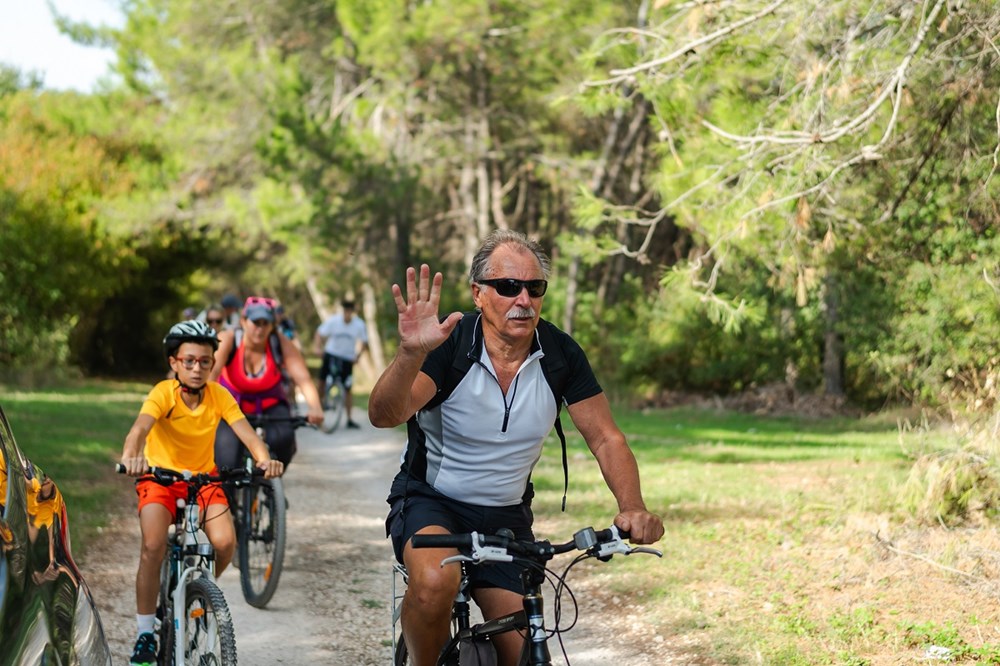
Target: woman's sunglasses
(509, 287)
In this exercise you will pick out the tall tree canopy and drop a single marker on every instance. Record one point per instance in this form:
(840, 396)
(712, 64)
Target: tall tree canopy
(735, 193)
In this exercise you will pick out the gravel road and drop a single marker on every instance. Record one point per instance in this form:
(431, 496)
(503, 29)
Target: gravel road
(333, 605)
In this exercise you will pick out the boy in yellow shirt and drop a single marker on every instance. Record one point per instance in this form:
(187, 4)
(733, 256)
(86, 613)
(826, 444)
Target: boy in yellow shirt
(175, 429)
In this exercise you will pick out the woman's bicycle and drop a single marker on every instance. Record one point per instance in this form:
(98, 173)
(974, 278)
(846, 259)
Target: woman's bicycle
(193, 621)
(332, 396)
(471, 643)
(259, 511)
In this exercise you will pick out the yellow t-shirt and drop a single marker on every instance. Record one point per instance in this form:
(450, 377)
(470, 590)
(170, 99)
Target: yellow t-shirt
(182, 438)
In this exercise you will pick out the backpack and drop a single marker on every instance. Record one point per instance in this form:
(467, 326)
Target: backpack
(554, 368)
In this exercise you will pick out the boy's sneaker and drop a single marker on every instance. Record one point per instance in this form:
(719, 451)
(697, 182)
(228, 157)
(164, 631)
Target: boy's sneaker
(352, 424)
(144, 653)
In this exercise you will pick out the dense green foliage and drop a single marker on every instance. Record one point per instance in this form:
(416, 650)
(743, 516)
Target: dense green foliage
(734, 195)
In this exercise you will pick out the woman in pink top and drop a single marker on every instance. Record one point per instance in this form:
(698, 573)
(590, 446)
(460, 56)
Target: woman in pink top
(252, 362)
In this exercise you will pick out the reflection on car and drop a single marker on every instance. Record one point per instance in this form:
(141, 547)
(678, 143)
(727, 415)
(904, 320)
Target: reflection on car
(47, 615)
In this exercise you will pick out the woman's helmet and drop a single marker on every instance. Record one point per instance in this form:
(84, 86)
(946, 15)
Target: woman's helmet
(189, 331)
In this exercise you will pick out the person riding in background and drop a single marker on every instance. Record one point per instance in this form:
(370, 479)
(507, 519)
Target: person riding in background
(469, 458)
(231, 310)
(250, 362)
(342, 338)
(285, 324)
(215, 316)
(175, 429)
(223, 315)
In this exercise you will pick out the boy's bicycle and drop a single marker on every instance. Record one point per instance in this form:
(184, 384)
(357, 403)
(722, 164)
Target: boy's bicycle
(259, 511)
(471, 644)
(193, 621)
(333, 394)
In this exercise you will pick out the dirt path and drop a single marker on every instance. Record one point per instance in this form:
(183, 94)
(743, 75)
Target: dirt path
(333, 605)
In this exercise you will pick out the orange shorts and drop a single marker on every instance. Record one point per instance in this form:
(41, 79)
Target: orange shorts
(151, 492)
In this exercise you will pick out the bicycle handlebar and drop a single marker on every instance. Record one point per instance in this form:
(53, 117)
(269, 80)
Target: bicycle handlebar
(258, 420)
(500, 548)
(167, 477)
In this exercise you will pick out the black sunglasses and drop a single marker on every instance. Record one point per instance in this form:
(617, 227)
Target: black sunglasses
(213, 322)
(509, 287)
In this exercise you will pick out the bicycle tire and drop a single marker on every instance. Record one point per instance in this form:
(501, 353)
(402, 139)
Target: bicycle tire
(164, 614)
(333, 406)
(208, 625)
(402, 655)
(261, 542)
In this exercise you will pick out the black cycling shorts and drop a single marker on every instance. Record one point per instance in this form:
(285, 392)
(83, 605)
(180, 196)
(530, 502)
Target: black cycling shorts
(336, 366)
(422, 506)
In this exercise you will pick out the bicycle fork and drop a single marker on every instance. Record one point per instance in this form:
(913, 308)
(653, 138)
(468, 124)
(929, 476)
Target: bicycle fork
(536, 642)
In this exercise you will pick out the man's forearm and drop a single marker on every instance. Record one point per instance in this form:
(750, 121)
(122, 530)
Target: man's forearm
(621, 473)
(389, 402)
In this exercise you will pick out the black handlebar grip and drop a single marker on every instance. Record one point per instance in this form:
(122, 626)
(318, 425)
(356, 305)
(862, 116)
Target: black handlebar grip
(606, 535)
(441, 541)
(120, 468)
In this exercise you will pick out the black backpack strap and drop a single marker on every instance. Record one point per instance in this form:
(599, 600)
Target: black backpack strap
(565, 460)
(464, 355)
(463, 337)
(556, 372)
(237, 339)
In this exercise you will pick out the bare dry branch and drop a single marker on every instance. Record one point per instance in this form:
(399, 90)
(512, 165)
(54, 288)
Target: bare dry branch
(621, 75)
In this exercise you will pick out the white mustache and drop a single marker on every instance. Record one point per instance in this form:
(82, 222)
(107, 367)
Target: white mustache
(521, 313)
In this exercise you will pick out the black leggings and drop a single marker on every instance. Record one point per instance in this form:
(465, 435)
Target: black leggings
(280, 437)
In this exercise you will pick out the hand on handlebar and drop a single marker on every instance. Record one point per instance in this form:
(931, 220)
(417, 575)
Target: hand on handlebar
(135, 465)
(315, 416)
(272, 468)
(643, 526)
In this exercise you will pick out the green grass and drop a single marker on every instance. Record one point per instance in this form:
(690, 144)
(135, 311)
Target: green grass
(759, 514)
(75, 436)
(747, 501)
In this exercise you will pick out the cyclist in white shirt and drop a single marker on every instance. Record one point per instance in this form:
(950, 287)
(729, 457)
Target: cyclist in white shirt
(342, 338)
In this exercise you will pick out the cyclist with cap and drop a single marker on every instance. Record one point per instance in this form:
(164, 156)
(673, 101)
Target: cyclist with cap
(175, 429)
(251, 362)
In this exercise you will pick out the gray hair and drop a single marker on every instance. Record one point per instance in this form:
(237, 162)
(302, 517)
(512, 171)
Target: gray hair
(480, 262)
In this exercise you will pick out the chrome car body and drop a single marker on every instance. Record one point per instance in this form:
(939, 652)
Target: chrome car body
(47, 615)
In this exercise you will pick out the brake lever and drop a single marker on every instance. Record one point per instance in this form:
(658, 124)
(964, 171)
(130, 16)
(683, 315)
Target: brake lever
(645, 550)
(482, 553)
(455, 558)
(604, 551)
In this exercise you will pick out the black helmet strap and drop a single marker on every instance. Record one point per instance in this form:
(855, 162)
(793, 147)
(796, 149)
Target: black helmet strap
(190, 389)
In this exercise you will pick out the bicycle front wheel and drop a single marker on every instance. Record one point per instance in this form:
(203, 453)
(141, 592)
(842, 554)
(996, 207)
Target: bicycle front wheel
(333, 406)
(208, 626)
(261, 541)
(402, 656)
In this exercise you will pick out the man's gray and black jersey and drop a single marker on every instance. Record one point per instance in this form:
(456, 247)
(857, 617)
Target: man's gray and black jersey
(478, 445)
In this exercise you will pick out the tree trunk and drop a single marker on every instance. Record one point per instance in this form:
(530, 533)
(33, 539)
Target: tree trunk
(373, 363)
(833, 345)
(319, 299)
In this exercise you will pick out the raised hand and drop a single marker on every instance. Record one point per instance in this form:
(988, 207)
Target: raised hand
(419, 327)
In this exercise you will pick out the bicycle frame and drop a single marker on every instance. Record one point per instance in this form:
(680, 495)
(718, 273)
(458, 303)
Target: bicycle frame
(530, 620)
(475, 549)
(193, 556)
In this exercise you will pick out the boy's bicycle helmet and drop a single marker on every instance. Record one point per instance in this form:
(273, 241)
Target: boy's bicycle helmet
(189, 331)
